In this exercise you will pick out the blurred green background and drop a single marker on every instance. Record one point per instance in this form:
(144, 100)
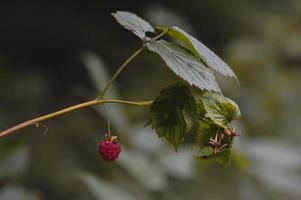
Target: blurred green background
(53, 55)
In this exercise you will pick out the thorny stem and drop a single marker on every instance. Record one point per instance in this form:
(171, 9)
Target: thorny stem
(36, 121)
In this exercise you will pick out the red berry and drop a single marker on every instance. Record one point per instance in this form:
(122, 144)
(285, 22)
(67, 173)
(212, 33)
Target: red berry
(109, 149)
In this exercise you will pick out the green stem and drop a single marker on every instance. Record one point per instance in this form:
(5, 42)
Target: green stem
(98, 100)
(121, 68)
(160, 35)
(37, 120)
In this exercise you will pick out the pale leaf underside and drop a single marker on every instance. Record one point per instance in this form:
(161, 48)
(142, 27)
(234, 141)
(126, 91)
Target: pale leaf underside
(208, 56)
(133, 23)
(185, 65)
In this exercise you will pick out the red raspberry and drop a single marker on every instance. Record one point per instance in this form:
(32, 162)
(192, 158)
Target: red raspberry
(109, 149)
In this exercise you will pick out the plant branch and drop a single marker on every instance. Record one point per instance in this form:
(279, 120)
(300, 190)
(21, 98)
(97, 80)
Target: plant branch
(160, 35)
(121, 68)
(98, 100)
(37, 120)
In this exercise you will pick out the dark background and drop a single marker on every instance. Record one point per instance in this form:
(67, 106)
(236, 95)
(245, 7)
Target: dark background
(44, 48)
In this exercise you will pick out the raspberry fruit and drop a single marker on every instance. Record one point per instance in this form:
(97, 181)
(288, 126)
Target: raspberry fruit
(109, 148)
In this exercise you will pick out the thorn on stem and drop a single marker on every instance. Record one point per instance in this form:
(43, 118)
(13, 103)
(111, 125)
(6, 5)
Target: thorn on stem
(44, 126)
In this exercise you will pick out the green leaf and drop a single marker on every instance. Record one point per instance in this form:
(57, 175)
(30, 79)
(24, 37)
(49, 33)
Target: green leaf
(189, 120)
(172, 112)
(202, 153)
(185, 64)
(207, 154)
(200, 109)
(133, 23)
(199, 49)
(206, 130)
(220, 109)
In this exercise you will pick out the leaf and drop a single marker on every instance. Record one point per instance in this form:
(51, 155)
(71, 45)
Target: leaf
(188, 120)
(207, 154)
(171, 111)
(200, 109)
(133, 23)
(185, 65)
(199, 49)
(202, 153)
(220, 109)
(206, 130)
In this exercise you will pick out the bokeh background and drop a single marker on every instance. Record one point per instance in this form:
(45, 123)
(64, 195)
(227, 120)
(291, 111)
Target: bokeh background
(53, 55)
